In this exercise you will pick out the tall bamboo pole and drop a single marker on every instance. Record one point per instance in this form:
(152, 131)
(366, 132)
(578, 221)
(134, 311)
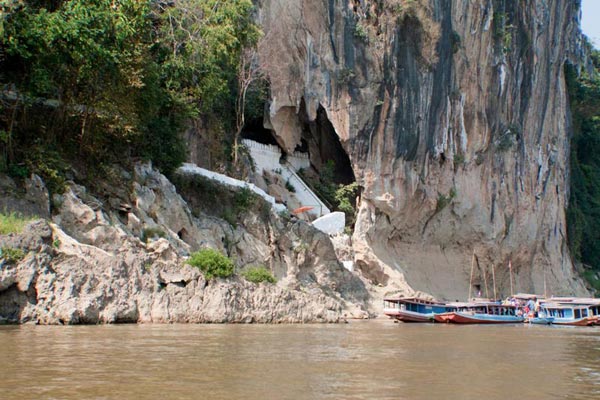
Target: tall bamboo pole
(471, 278)
(487, 294)
(494, 281)
(511, 278)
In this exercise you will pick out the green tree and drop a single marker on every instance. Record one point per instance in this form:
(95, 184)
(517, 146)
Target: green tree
(108, 80)
(583, 213)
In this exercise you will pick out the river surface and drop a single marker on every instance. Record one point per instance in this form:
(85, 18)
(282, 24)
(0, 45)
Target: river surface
(375, 359)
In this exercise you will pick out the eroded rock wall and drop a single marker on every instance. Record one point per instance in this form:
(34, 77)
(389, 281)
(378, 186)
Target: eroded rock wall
(455, 118)
(121, 258)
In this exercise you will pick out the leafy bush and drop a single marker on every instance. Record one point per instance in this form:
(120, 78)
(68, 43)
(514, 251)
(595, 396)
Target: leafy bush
(584, 202)
(345, 197)
(258, 274)
(508, 137)
(443, 200)
(459, 159)
(243, 199)
(345, 75)
(12, 223)
(152, 233)
(360, 32)
(212, 263)
(290, 187)
(11, 256)
(593, 280)
(455, 41)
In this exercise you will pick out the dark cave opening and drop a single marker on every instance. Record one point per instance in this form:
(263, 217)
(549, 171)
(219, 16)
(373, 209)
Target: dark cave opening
(324, 146)
(255, 130)
(319, 139)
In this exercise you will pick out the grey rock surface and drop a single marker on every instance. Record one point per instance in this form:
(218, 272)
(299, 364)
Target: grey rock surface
(455, 117)
(90, 265)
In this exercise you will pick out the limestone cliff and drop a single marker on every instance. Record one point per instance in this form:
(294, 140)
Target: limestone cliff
(119, 256)
(455, 118)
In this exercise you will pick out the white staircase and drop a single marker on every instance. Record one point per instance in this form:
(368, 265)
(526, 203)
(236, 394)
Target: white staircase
(267, 158)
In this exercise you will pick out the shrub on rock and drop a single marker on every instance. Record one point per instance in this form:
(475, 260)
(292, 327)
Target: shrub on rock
(212, 263)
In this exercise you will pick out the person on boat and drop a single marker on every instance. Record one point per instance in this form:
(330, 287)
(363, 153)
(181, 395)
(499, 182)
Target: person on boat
(531, 306)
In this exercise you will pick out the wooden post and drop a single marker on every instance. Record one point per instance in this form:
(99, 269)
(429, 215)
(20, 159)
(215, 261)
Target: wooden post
(471, 278)
(494, 281)
(511, 278)
(487, 294)
(545, 293)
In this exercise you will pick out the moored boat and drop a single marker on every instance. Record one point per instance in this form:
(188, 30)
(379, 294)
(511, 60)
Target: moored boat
(568, 314)
(451, 308)
(592, 304)
(412, 309)
(486, 313)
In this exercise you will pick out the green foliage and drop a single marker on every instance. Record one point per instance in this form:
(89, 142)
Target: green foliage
(256, 99)
(592, 278)
(507, 137)
(229, 216)
(502, 28)
(109, 81)
(18, 171)
(11, 256)
(583, 213)
(345, 197)
(360, 32)
(152, 234)
(455, 41)
(50, 165)
(203, 44)
(12, 223)
(459, 159)
(345, 75)
(338, 197)
(443, 200)
(243, 199)
(258, 274)
(290, 187)
(212, 263)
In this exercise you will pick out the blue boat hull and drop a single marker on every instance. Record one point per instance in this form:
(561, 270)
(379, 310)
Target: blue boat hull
(541, 320)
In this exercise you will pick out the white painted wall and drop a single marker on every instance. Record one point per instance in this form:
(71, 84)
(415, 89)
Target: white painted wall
(266, 158)
(332, 223)
(193, 169)
(299, 161)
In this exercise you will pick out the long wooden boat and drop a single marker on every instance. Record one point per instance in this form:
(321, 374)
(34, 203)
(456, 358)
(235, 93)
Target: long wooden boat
(568, 314)
(412, 309)
(451, 308)
(486, 313)
(592, 304)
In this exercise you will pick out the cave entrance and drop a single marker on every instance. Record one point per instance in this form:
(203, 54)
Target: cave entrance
(255, 130)
(324, 147)
(330, 165)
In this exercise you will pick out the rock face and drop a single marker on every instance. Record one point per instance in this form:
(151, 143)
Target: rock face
(90, 265)
(455, 117)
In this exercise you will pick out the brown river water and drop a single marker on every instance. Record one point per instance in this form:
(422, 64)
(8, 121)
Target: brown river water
(375, 359)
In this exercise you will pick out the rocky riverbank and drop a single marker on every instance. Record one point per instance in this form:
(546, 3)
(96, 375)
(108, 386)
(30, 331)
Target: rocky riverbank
(119, 256)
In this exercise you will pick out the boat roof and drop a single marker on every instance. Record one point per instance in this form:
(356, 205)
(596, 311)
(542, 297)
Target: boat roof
(459, 304)
(563, 306)
(493, 303)
(527, 296)
(412, 300)
(575, 300)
